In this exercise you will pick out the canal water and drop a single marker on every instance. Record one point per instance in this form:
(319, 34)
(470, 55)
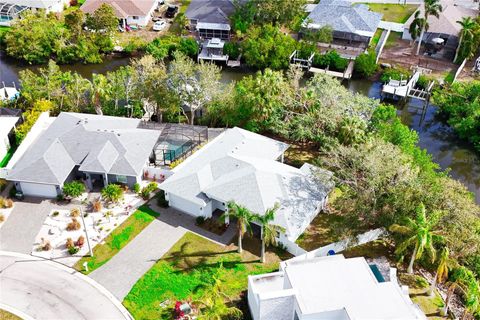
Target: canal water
(434, 135)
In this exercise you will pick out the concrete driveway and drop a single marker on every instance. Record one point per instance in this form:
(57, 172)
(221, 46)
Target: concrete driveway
(19, 231)
(120, 273)
(43, 289)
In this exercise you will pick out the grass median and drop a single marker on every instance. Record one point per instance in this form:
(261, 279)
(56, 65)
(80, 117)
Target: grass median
(118, 239)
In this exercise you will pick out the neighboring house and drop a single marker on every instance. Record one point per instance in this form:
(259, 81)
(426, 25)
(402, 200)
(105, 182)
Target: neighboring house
(210, 18)
(444, 27)
(351, 23)
(7, 133)
(330, 287)
(242, 167)
(11, 9)
(129, 12)
(98, 149)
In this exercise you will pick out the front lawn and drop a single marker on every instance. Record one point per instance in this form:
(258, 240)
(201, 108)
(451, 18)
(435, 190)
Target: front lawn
(118, 239)
(394, 12)
(189, 270)
(5, 315)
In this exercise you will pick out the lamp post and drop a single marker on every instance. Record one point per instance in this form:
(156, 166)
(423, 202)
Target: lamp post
(86, 233)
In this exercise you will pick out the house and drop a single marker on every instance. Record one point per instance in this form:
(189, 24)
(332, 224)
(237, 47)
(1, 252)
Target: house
(330, 287)
(128, 12)
(98, 149)
(445, 27)
(243, 167)
(7, 133)
(351, 23)
(11, 9)
(210, 18)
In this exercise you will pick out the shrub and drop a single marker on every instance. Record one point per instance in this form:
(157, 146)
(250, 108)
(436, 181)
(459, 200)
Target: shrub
(332, 60)
(73, 250)
(55, 213)
(152, 186)
(200, 220)
(73, 225)
(3, 184)
(75, 212)
(69, 244)
(232, 49)
(365, 64)
(73, 189)
(96, 205)
(112, 193)
(80, 241)
(45, 245)
(2, 217)
(145, 193)
(394, 74)
(12, 192)
(2, 202)
(8, 203)
(161, 201)
(136, 188)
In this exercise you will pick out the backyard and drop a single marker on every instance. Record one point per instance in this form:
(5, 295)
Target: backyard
(190, 270)
(394, 12)
(118, 239)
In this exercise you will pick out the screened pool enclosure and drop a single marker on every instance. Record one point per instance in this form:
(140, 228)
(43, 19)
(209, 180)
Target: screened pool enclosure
(176, 141)
(9, 11)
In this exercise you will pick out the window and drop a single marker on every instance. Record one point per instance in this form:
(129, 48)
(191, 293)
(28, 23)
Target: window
(122, 179)
(135, 17)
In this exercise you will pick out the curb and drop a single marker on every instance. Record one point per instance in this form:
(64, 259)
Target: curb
(16, 312)
(79, 275)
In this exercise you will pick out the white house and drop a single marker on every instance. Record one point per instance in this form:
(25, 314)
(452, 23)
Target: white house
(129, 12)
(7, 125)
(332, 288)
(243, 167)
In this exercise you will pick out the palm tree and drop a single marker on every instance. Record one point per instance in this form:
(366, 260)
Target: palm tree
(244, 220)
(270, 231)
(213, 306)
(460, 282)
(442, 269)
(431, 8)
(420, 235)
(467, 38)
(417, 25)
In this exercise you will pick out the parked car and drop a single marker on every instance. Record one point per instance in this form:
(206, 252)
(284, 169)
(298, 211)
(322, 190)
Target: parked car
(171, 11)
(159, 25)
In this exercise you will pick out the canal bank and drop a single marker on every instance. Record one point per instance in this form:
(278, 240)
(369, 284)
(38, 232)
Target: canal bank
(435, 136)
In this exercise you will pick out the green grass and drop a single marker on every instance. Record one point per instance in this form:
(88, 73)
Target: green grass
(376, 38)
(118, 239)
(189, 270)
(394, 12)
(7, 158)
(175, 27)
(5, 315)
(392, 39)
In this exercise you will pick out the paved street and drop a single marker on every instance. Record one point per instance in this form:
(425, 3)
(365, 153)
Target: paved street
(120, 273)
(46, 290)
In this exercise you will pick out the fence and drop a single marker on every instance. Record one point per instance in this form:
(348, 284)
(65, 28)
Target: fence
(339, 246)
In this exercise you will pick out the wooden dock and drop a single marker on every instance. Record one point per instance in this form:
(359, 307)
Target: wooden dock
(347, 74)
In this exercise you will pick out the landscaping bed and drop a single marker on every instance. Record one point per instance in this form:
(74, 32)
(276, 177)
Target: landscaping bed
(189, 271)
(118, 239)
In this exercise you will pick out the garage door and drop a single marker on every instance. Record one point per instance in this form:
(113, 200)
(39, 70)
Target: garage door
(38, 190)
(184, 205)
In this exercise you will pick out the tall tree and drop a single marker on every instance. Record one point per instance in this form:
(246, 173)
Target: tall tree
(469, 39)
(244, 220)
(103, 19)
(195, 85)
(279, 12)
(270, 232)
(431, 8)
(421, 235)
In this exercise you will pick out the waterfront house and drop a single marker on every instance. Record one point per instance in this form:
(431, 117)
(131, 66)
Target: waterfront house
(330, 287)
(352, 24)
(11, 9)
(248, 169)
(128, 12)
(210, 18)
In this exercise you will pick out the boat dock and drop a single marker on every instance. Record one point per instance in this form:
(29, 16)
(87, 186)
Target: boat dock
(307, 65)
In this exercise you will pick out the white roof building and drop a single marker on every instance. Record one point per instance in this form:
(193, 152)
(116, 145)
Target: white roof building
(331, 288)
(242, 167)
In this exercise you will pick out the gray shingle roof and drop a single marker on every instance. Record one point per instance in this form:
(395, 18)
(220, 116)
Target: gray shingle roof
(95, 143)
(211, 11)
(344, 17)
